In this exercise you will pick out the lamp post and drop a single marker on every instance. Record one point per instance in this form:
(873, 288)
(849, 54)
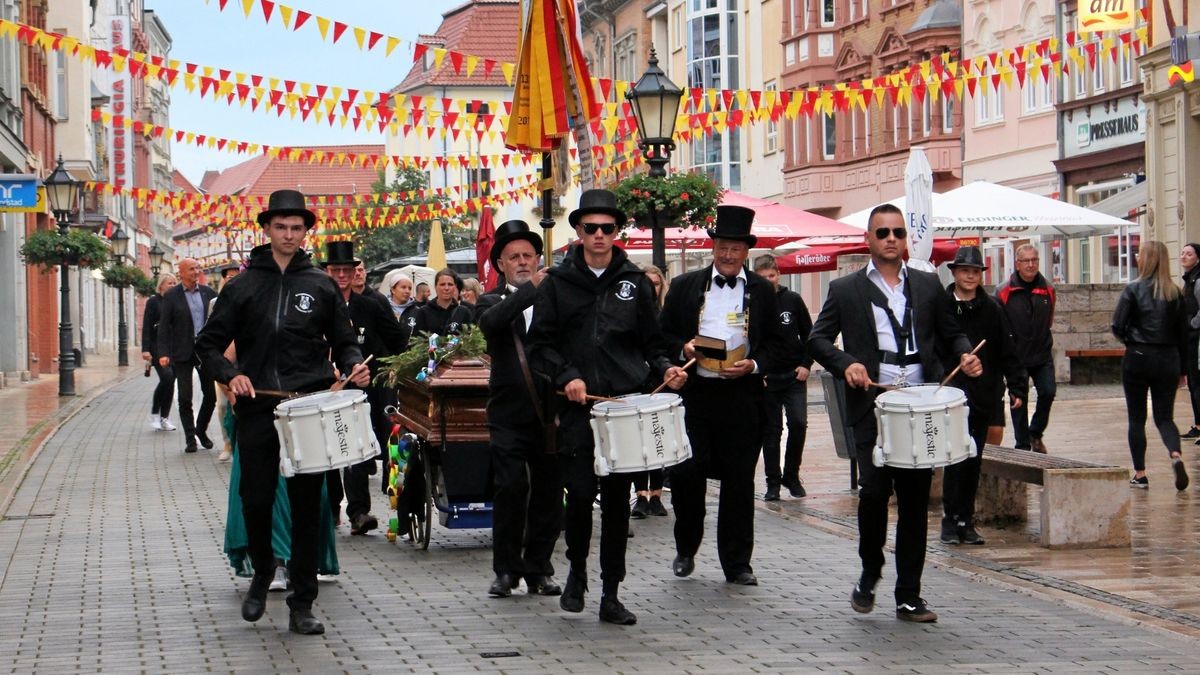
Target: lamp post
(156, 261)
(62, 190)
(655, 101)
(120, 245)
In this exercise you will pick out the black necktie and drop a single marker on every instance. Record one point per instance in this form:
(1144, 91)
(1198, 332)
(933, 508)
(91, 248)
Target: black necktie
(730, 281)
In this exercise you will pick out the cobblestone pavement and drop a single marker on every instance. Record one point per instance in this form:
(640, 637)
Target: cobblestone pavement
(111, 555)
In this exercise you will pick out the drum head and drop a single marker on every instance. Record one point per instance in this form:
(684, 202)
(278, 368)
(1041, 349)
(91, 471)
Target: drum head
(634, 404)
(922, 397)
(321, 400)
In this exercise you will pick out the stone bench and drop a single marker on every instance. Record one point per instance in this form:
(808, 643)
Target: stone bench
(1096, 366)
(1083, 505)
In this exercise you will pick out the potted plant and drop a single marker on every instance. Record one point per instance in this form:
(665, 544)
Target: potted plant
(51, 248)
(681, 199)
(123, 276)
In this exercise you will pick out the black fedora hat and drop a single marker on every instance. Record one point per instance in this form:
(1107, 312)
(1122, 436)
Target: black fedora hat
(968, 256)
(287, 203)
(510, 231)
(733, 222)
(339, 253)
(597, 201)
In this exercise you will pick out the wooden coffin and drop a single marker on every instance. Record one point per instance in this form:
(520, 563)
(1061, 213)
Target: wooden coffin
(450, 406)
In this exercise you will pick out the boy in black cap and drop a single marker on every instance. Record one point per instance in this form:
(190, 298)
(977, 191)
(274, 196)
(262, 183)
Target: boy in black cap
(594, 333)
(981, 318)
(724, 402)
(284, 316)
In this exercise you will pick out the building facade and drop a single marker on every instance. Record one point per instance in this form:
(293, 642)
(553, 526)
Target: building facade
(16, 347)
(838, 164)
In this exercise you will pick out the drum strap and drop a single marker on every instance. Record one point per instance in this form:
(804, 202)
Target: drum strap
(901, 331)
(549, 432)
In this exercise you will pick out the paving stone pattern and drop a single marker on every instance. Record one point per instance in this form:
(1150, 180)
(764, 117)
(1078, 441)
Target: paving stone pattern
(112, 562)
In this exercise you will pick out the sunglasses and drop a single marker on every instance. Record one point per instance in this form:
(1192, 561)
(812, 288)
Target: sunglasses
(898, 232)
(606, 228)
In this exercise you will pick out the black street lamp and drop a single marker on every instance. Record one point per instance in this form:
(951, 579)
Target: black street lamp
(62, 190)
(655, 100)
(156, 261)
(120, 246)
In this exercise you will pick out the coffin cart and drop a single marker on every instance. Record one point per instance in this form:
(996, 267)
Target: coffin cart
(449, 465)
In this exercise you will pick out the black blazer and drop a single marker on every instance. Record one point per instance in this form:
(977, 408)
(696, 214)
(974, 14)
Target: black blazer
(150, 319)
(376, 329)
(499, 313)
(176, 335)
(848, 311)
(680, 319)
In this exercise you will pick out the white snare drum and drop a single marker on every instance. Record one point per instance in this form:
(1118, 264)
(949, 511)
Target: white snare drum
(639, 433)
(323, 431)
(922, 427)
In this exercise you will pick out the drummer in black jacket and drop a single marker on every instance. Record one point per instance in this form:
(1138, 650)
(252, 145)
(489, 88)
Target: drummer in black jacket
(981, 318)
(595, 333)
(285, 317)
(724, 400)
(527, 503)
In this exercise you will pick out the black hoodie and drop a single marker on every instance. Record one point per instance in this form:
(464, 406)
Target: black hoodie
(982, 318)
(283, 324)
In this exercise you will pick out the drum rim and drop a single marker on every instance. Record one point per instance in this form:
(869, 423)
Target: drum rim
(319, 400)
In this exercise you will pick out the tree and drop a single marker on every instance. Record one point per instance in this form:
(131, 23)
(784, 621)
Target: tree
(380, 244)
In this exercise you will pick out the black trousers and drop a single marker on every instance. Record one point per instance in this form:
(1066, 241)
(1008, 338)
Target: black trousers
(208, 401)
(357, 478)
(527, 505)
(581, 483)
(790, 401)
(724, 426)
(960, 481)
(648, 481)
(875, 487)
(258, 446)
(1153, 369)
(160, 403)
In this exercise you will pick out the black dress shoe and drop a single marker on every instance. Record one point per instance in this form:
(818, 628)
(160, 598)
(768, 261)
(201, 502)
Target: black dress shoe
(503, 586)
(683, 566)
(363, 523)
(772, 494)
(656, 506)
(255, 602)
(641, 509)
(612, 611)
(744, 579)
(796, 489)
(542, 584)
(303, 622)
(573, 592)
(205, 441)
(190, 447)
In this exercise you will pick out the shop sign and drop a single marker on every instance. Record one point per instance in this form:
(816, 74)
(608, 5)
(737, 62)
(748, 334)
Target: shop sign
(1095, 129)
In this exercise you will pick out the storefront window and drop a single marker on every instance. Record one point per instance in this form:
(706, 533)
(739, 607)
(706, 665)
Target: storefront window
(1120, 266)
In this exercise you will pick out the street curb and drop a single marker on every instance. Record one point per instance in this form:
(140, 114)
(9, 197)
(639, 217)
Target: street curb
(966, 566)
(15, 469)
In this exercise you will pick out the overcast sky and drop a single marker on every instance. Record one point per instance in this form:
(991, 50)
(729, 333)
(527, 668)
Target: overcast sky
(204, 35)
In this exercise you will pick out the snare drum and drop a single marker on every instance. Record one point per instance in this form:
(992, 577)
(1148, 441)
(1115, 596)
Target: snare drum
(922, 427)
(323, 431)
(639, 433)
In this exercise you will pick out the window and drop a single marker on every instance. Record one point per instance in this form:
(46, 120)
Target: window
(679, 28)
(771, 140)
(1030, 94)
(989, 104)
(867, 129)
(828, 12)
(947, 114)
(828, 136)
(807, 12)
(926, 116)
(790, 8)
(895, 125)
(1125, 63)
(853, 133)
(1100, 72)
(61, 90)
(852, 14)
(789, 53)
(479, 182)
(625, 58)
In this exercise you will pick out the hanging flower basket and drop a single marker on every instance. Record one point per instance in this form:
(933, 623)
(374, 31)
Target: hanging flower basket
(51, 248)
(145, 287)
(123, 276)
(681, 199)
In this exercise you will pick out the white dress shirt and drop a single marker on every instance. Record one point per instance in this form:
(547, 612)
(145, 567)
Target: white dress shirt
(889, 374)
(528, 311)
(723, 317)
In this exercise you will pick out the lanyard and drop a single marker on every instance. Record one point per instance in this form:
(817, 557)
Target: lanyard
(745, 310)
(905, 341)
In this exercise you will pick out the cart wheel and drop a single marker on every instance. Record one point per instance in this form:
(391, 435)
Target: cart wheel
(421, 521)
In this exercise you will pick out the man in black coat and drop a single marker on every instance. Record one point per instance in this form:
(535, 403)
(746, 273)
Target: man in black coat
(893, 320)
(594, 333)
(527, 503)
(379, 335)
(184, 309)
(724, 401)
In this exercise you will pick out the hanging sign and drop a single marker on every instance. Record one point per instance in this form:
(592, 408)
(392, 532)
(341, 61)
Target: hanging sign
(20, 193)
(1106, 15)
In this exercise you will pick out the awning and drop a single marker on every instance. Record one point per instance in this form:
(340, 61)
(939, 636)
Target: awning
(1124, 204)
(823, 257)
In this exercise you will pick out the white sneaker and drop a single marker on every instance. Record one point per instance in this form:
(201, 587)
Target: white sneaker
(165, 424)
(225, 455)
(280, 582)
(155, 422)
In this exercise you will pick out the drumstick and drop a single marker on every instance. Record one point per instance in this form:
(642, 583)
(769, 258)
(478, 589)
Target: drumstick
(341, 384)
(885, 387)
(276, 392)
(959, 366)
(589, 397)
(685, 367)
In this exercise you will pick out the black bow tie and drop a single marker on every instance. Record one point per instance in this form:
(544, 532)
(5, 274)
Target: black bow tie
(723, 281)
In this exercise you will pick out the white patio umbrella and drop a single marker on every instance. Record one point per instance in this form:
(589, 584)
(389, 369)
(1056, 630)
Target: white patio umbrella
(918, 209)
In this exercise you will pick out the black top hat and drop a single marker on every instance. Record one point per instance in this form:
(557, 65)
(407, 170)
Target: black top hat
(968, 256)
(733, 222)
(287, 203)
(510, 231)
(339, 253)
(597, 201)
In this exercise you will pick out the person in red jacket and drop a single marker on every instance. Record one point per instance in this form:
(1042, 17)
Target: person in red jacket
(1028, 302)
